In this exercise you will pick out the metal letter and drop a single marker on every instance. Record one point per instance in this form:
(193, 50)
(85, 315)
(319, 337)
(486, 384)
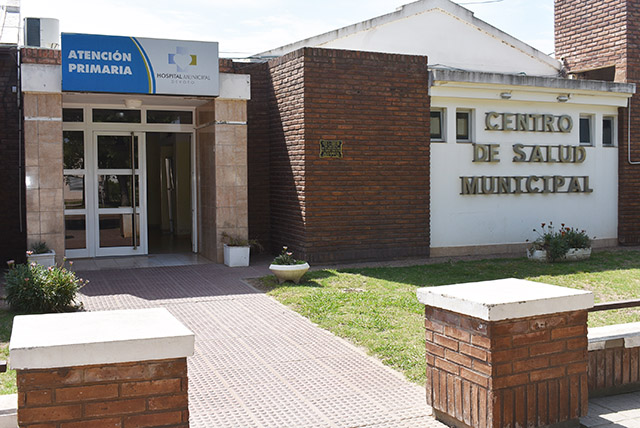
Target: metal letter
(469, 185)
(565, 123)
(487, 120)
(520, 156)
(529, 184)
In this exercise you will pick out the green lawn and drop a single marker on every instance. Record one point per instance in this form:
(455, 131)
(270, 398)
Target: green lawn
(376, 308)
(8, 379)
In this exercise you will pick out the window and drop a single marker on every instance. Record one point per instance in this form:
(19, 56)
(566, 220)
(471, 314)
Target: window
(608, 134)
(72, 115)
(585, 131)
(463, 126)
(166, 116)
(437, 125)
(120, 116)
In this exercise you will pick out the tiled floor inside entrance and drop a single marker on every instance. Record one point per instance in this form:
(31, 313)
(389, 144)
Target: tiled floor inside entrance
(132, 262)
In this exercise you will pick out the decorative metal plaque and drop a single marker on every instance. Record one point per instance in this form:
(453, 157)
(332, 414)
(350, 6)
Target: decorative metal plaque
(331, 149)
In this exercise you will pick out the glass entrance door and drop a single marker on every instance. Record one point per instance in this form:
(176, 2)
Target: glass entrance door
(120, 185)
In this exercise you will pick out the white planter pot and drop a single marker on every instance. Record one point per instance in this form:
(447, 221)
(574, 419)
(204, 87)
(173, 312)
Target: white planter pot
(236, 256)
(44, 259)
(289, 272)
(574, 254)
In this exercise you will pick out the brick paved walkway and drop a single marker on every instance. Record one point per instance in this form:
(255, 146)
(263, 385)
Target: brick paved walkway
(614, 411)
(257, 363)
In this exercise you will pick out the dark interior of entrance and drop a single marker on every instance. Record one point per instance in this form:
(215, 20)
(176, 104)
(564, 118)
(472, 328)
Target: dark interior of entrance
(169, 192)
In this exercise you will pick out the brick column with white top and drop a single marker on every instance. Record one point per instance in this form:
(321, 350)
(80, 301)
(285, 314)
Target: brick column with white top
(506, 353)
(101, 369)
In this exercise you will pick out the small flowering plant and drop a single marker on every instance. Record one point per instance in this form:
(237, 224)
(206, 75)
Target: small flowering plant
(286, 258)
(558, 242)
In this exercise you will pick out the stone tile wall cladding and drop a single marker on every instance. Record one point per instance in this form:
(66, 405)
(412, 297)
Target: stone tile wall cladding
(522, 372)
(43, 159)
(597, 34)
(222, 169)
(12, 192)
(374, 202)
(140, 394)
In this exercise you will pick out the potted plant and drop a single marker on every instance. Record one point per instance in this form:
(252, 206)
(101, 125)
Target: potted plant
(565, 244)
(41, 254)
(286, 268)
(237, 250)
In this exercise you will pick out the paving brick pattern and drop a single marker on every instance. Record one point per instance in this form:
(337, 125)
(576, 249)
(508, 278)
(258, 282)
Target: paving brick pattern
(257, 363)
(614, 411)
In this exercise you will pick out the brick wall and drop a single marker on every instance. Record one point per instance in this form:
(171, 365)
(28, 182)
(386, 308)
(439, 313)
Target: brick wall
(614, 370)
(590, 35)
(140, 394)
(258, 151)
(40, 56)
(12, 192)
(373, 203)
(287, 152)
(597, 34)
(522, 372)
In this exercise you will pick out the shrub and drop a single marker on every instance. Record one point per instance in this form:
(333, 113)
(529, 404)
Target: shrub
(557, 243)
(32, 288)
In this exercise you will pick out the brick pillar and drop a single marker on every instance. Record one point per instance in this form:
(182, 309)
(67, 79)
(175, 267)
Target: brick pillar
(506, 353)
(94, 369)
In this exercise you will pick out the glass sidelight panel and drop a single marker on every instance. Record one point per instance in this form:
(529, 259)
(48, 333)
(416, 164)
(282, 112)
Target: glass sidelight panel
(73, 149)
(114, 151)
(74, 193)
(114, 191)
(116, 230)
(75, 236)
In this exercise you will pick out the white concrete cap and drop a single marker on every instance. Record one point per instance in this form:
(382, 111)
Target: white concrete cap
(86, 338)
(599, 336)
(504, 299)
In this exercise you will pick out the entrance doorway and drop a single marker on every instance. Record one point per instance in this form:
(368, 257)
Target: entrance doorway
(120, 185)
(129, 181)
(169, 207)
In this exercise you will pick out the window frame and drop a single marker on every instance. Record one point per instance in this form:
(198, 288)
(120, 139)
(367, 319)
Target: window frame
(469, 137)
(590, 118)
(443, 125)
(614, 136)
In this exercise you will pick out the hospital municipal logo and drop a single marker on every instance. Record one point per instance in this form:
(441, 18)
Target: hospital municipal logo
(182, 59)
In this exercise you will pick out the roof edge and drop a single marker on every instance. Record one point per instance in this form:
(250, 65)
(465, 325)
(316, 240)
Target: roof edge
(535, 81)
(411, 9)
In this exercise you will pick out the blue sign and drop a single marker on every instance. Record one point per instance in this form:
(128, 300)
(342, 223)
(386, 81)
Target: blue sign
(95, 63)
